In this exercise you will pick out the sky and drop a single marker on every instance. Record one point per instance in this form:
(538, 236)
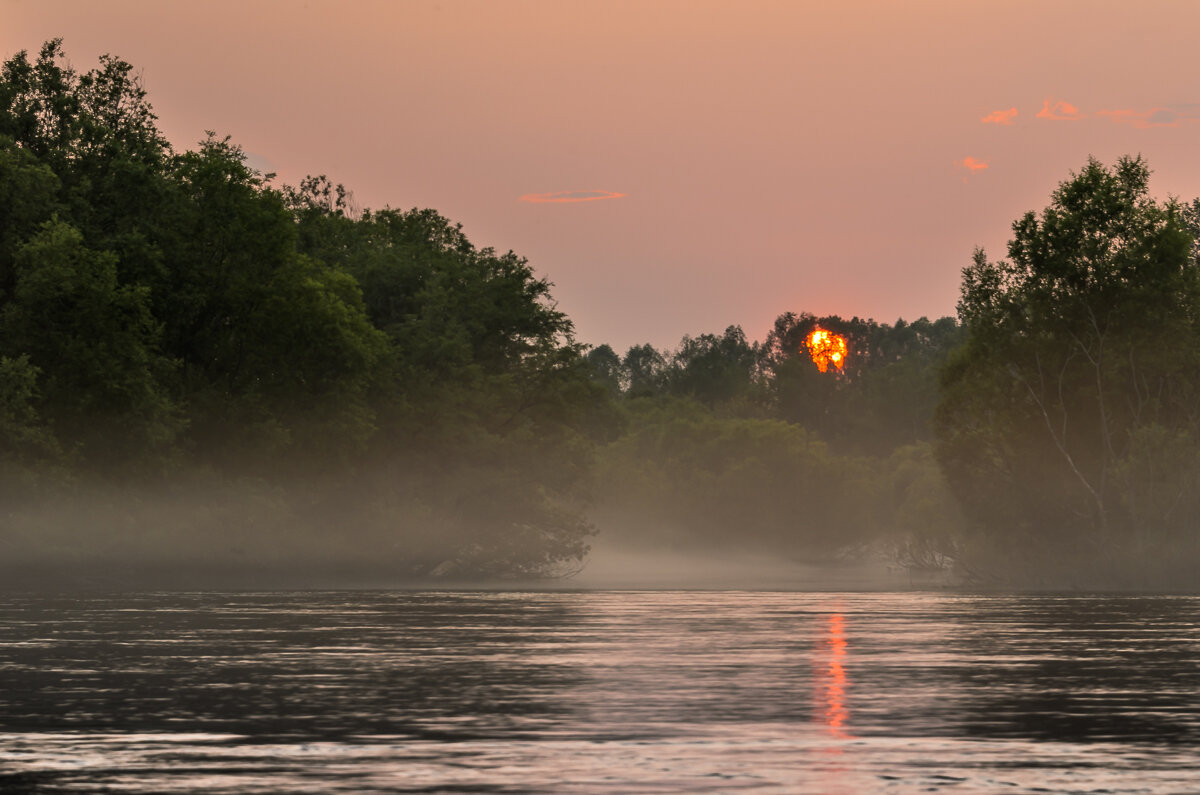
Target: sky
(677, 166)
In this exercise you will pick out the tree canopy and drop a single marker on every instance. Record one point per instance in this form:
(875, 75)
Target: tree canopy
(1068, 421)
(165, 314)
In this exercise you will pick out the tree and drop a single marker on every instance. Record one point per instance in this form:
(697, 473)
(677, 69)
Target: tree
(882, 397)
(606, 369)
(95, 343)
(646, 368)
(486, 408)
(1080, 348)
(714, 369)
(96, 132)
(28, 198)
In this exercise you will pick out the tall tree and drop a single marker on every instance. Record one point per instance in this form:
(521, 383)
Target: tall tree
(714, 369)
(1081, 348)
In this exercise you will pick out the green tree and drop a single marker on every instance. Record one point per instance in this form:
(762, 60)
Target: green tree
(178, 315)
(97, 133)
(488, 409)
(23, 434)
(714, 369)
(884, 395)
(606, 369)
(31, 458)
(95, 343)
(1081, 347)
(28, 198)
(647, 369)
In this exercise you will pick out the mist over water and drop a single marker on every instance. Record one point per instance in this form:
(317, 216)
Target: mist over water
(205, 536)
(618, 564)
(598, 692)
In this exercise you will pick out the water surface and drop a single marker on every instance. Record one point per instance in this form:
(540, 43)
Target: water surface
(598, 692)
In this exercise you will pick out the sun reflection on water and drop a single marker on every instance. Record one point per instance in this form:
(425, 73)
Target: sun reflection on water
(836, 714)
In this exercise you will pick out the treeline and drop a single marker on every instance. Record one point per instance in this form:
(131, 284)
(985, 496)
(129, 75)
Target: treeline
(734, 444)
(314, 385)
(881, 399)
(200, 369)
(200, 366)
(1052, 440)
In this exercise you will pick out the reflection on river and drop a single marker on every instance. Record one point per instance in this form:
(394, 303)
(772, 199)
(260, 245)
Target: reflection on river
(601, 691)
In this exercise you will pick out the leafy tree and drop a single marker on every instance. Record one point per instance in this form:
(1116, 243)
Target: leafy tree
(96, 132)
(1077, 386)
(798, 391)
(28, 198)
(714, 369)
(646, 370)
(24, 436)
(1191, 219)
(891, 404)
(166, 316)
(100, 116)
(487, 409)
(94, 342)
(884, 396)
(606, 368)
(276, 349)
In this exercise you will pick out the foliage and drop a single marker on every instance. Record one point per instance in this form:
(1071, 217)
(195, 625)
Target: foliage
(729, 442)
(885, 395)
(94, 341)
(375, 389)
(26, 443)
(164, 315)
(713, 369)
(1076, 392)
(692, 478)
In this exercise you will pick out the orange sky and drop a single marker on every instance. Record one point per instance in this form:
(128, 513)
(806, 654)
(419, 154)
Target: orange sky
(738, 159)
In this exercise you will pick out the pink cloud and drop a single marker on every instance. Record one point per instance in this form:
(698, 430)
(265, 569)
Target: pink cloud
(1004, 117)
(1155, 117)
(569, 196)
(1058, 110)
(971, 164)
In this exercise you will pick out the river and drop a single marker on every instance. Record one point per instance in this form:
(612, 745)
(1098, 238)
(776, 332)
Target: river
(321, 692)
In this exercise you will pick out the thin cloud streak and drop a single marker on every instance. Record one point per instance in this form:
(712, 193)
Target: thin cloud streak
(571, 196)
(1058, 110)
(1004, 117)
(1173, 116)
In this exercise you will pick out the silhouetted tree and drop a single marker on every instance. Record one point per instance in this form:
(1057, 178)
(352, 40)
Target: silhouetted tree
(713, 369)
(1069, 419)
(646, 368)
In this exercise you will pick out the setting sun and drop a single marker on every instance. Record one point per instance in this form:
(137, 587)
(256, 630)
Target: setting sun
(826, 348)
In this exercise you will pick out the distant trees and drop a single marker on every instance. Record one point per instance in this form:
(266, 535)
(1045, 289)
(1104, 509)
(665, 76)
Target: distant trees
(684, 477)
(714, 369)
(645, 369)
(884, 397)
(1069, 420)
(731, 442)
(606, 369)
